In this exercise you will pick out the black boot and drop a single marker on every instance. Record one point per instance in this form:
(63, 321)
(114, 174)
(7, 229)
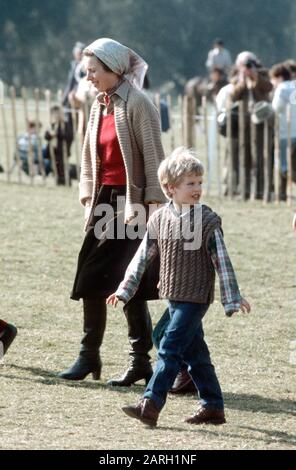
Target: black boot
(140, 338)
(89, 360)
(283, 187)
(7, 334)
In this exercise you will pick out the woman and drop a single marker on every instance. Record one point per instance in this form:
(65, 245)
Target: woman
(121, 154)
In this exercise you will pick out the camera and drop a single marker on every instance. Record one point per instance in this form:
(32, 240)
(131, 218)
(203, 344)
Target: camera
(250, 64)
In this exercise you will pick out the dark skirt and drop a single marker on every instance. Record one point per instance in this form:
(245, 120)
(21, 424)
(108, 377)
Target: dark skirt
(102, 262)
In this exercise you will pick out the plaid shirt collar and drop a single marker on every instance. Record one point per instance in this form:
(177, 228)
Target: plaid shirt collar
(120, 90)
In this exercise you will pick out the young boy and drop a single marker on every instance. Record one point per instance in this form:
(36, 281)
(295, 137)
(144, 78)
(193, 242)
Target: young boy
(187, 280)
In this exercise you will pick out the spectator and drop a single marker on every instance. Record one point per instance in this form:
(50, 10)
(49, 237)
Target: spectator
(284, 88)
(76, 73)
(251, 84)
(291, 64)
(219, 57)
(217, 80)
(164, 110)
(60, 135)
(29, 145)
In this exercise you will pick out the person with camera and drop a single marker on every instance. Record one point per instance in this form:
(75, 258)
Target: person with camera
(251, 85)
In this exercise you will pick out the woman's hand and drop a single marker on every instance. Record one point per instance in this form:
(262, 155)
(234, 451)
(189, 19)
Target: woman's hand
(112, 300)
(87, 209)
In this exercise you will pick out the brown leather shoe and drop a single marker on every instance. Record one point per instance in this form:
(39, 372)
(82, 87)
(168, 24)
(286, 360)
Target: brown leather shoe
(145, 411)
(205, 415)
(183, 383)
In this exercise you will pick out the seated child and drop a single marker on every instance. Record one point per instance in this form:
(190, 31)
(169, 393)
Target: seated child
(30, 141)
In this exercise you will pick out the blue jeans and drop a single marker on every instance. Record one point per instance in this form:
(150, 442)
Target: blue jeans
(283, 153)
(183, 341)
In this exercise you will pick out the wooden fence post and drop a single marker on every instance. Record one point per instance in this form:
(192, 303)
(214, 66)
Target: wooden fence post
(30, 150)
(266, 163)
(289, 158)
(74, 115)
(218, 150)
(50, 147)
(277, 165)
(15, 133)
(253, 163)
(39, 145)
(230, 172)
(180, 109)
(157, 103)
(171, 122)
(65, 152)
(6, 142)
(204, 105)
(242, 150)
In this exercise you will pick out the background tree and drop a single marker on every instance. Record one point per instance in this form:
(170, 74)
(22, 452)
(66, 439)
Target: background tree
(174, 36)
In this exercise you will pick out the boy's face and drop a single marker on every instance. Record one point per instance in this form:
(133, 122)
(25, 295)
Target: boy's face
(188, 191)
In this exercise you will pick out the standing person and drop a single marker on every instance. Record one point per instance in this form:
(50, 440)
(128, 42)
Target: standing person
(60, 134)
(29, 145)
(7, 334)
(189, 240)
(217, 80)
(294, 222)
(281, 79)
(251, 84)
(219, 56)
(121, 154)
(76, 73)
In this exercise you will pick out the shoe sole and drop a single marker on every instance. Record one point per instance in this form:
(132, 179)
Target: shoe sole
(129, 413)
(117, 383)
(216, 422)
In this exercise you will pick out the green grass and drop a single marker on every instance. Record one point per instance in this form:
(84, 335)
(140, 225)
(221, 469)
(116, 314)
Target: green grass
(251, 353)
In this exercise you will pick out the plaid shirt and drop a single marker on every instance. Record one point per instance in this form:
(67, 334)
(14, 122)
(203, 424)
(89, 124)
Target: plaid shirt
(148, 250)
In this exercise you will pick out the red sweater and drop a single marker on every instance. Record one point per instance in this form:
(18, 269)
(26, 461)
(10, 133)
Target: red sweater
(112, 170)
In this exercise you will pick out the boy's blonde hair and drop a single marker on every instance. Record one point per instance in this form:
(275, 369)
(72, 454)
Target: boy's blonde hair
(182, 162)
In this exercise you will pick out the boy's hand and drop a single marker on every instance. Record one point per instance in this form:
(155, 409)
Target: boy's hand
(112, 300)
(245, 306)
(294, 222)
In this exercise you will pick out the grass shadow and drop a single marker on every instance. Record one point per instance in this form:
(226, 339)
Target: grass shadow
(51, 378)
(268, 436)
(258, 403)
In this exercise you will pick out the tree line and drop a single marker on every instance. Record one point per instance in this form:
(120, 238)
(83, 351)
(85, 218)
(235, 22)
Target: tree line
(174, 36)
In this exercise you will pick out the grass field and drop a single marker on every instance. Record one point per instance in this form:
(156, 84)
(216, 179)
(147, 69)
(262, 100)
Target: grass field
(254, 355)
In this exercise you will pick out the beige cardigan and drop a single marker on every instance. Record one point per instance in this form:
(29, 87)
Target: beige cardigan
(138, 129)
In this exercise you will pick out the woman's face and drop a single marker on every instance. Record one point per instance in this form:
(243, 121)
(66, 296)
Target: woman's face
(97, 75)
